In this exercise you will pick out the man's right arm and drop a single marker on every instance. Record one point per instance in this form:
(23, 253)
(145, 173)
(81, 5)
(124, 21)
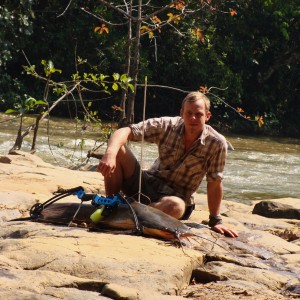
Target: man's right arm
(107, 165)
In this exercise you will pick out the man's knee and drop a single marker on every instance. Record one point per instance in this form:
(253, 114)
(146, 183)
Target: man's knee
(126, 161)
(171, 205)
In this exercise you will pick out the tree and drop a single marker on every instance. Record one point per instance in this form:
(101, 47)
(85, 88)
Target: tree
(63, 89)
(262, 46)
(249, 49)
(16, 19)
(146, 19)
(21, 109)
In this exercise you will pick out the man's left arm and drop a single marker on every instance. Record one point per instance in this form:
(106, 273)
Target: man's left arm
(214, 198)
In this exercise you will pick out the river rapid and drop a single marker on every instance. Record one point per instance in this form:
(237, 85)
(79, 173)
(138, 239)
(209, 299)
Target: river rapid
(259, 167)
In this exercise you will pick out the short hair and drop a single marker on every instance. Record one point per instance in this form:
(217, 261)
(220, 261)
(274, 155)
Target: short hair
(194, 96)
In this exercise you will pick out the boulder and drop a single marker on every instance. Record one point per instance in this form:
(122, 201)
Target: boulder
(272, 209)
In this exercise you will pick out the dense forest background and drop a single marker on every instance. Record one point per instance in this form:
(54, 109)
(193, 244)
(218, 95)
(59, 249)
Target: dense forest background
(248, 50)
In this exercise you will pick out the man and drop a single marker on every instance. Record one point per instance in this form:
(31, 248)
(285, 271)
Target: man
(188, 150)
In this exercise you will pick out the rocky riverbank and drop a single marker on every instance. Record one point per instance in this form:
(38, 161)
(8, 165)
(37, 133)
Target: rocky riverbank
(44, 261)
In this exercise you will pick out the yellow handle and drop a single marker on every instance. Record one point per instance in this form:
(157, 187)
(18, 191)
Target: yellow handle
(96, 216)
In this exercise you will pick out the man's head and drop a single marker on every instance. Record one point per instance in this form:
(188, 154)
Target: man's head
(195, 111)
(194, 96)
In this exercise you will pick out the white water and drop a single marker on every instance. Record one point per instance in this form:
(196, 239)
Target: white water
(258, 168)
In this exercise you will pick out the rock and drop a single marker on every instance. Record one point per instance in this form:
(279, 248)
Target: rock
(231, 289)
(95, 154)
(5, 160)
(290, 234)
(294, 291)
(115, 291)
(269, 278)
(43, 284)
(271, 209)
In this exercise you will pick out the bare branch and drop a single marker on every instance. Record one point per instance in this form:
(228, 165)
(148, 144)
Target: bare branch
(228, 105)
(101, 19)
(84, 107)
(58, 100)
(158, 12)
(122, 12)
(207, 93)
(65, 9)
(163, 87)
(176, 29)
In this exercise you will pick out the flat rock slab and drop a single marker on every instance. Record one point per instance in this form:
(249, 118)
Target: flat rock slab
(147, 264)
(44, 261)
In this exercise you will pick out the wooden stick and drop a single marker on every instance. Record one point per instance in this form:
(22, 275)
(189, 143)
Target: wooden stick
(142, 144)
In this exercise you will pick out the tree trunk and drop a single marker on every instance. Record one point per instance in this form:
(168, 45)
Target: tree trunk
(20, 136)
(135, 67)
(36, 128)
(122, 121)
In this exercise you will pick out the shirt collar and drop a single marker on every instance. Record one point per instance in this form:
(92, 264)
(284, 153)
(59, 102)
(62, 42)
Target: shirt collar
(180, 128)
(203, 135)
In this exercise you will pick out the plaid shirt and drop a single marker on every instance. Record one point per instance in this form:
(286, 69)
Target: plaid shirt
(183, 171)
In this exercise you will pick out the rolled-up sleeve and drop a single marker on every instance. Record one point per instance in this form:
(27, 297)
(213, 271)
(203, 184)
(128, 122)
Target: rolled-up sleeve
(216, 164)
(152, 130)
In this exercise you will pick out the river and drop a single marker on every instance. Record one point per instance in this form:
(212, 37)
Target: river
(259, 167)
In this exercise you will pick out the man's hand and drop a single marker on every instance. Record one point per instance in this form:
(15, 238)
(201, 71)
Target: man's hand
(107, 165)
(220, 228)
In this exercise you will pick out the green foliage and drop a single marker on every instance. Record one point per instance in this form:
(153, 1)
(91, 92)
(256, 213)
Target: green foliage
(49, 68)
(253, 56)
(16, 19)
(26, 105)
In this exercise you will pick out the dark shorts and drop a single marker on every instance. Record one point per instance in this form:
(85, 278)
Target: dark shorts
(152, 189)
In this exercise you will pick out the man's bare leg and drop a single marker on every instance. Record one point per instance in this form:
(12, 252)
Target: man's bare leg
(171, 205)
(125, 166)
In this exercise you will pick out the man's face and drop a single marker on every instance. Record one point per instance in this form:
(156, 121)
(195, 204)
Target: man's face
(194, 116)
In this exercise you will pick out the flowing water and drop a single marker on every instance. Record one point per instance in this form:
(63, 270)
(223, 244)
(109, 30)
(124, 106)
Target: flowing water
(259, 167)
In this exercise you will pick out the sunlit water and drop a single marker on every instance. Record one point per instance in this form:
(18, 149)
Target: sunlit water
(258, 168)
